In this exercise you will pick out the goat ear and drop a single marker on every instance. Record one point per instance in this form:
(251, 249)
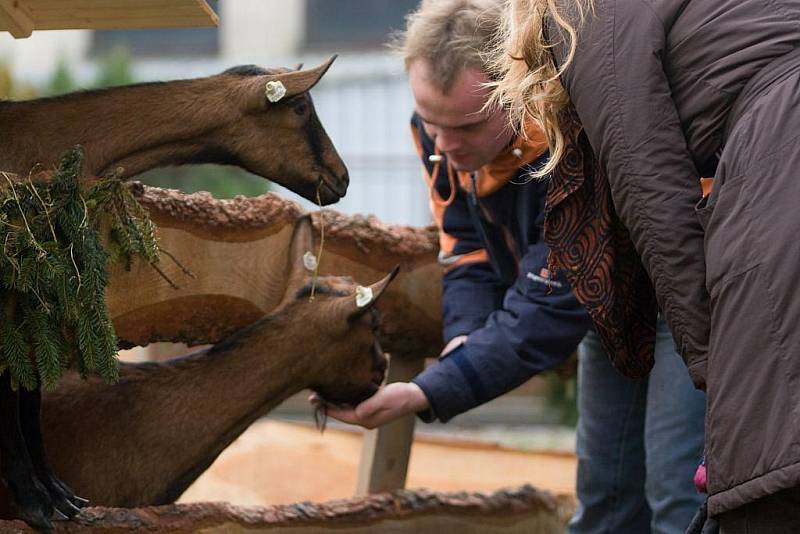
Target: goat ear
(298, 81)
(366, 297)
(299, 267)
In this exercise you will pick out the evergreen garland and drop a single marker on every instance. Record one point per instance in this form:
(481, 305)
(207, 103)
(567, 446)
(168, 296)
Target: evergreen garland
(53, 271)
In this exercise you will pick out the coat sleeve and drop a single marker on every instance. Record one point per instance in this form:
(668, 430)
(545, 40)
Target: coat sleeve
(618, 85)
(539, 324)
(470, 293)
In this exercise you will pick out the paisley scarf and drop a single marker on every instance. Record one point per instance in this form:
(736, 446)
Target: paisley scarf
(591, 245)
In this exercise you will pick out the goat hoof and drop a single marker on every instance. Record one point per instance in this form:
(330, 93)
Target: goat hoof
(33, 503)
(80, 502)
(58, 515)
(64, 509)
(36, 519)
(64, 498)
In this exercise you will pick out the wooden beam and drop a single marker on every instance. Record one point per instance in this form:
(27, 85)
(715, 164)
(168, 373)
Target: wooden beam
(21, 17)
(15, 18)
(385, 451)
(208, 11)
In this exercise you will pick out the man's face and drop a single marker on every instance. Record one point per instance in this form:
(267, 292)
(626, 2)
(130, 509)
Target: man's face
(467, 135)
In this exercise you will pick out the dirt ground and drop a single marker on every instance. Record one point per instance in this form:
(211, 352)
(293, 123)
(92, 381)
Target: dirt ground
(277, 462)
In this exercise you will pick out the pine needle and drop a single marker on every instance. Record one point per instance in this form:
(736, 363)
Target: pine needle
(54, 271)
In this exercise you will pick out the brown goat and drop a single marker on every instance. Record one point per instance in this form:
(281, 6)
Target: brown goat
(245, 253)
(227, 118)
(171, 420)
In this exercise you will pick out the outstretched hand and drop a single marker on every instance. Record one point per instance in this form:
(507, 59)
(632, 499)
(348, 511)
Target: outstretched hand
(391, 402)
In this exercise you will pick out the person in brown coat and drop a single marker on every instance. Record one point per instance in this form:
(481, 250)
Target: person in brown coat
(639, 98)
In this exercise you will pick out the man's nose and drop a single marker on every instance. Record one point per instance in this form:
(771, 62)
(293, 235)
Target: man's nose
(447, 141)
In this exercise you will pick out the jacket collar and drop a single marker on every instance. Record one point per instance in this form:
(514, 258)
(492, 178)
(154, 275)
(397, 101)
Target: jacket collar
(526, 148)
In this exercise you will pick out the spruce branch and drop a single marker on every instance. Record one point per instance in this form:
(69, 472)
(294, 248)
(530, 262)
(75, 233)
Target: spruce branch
(54, 271)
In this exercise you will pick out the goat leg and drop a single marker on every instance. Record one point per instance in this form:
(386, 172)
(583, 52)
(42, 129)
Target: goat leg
(63, 498)
(32, 499)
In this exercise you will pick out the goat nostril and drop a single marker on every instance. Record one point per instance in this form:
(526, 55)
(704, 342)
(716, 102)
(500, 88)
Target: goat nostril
(341, 185)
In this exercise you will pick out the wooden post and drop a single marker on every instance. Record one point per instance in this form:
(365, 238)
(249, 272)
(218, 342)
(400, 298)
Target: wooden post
(15, 18)
(385, 451)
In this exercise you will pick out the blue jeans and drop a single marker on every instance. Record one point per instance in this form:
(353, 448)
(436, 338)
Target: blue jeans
(638, 444)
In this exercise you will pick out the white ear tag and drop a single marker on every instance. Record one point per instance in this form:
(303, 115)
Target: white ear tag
(309, 261)
(275, 90)
(363, 296)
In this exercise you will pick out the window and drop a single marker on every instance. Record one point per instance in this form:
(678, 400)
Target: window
(160, 41)
(354, 24)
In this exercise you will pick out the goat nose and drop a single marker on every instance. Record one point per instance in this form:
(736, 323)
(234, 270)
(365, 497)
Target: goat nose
(343, 182)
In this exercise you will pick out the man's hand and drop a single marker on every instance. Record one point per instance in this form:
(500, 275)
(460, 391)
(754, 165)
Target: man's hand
(391, 402)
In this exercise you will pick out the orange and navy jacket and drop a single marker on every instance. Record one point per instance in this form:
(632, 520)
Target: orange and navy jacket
(520, 319)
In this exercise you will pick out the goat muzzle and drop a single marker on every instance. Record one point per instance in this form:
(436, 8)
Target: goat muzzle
(331, 191)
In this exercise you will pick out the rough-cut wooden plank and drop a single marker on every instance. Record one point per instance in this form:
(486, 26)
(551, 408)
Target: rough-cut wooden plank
(239, 251)
(385, 451)
(511, 511)
(19, 16)
(15, 18)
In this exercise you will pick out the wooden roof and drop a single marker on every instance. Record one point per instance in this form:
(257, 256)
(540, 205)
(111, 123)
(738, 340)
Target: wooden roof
(21, 17)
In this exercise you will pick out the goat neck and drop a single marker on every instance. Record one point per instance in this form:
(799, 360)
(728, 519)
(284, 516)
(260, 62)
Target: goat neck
(182, 415)
(115, 125)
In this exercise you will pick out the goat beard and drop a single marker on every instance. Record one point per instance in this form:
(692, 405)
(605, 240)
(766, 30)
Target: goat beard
(321, 415)
(321, 405)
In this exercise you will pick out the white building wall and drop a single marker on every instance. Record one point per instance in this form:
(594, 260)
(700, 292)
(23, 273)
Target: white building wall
(252, 30)
(34, 58)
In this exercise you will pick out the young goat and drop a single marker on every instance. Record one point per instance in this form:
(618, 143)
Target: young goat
(245, 253)
(183, 413)
(261, 120)
(188, 410)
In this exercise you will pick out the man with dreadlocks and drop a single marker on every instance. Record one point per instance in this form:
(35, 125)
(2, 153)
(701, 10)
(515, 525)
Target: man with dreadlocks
(506, 317)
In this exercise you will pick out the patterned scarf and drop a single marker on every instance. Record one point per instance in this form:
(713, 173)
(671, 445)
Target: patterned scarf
(589, 242)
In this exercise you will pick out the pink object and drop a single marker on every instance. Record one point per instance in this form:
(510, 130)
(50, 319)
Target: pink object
(700, 478)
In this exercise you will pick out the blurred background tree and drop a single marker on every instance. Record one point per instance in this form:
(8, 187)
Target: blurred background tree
(561, 397)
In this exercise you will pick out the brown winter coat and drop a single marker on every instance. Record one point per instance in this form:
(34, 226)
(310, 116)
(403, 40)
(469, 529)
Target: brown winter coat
(668, 91)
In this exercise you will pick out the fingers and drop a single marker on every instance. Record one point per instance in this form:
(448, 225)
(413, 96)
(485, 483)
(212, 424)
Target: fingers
(390, 402)
(369, 414)
(343, 414)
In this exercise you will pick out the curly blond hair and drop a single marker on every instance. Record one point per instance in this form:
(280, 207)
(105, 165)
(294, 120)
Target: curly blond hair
(528, 82)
